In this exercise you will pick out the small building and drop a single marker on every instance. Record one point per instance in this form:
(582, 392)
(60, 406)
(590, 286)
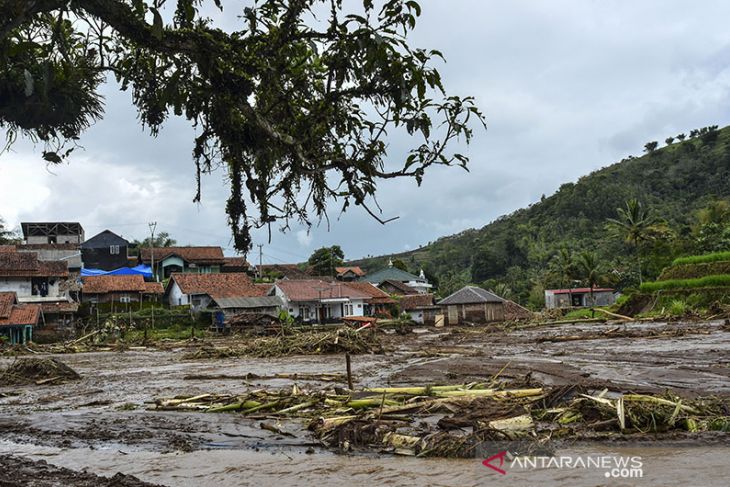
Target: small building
(119, 289)
(236, 264)
(198, 290)
(420, 308)
(41, 233)
(195, 260)
(379, 303)
(106, 251)
(25, 275)
(397, 288)
(579, 297)
(390, 273)
(476, 305)
(17, 320)
(237, 305)
(348, 274)
(318, 301)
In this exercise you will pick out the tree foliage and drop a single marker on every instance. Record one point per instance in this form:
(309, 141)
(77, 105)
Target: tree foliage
(295, 104)
(162, 239)
(324, 260)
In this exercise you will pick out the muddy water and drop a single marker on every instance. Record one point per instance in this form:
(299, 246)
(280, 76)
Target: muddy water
(101, 422)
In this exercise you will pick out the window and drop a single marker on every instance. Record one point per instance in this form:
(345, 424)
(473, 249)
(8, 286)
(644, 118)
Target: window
(124, 299)
(304, 312)
(349, 311)
(114, 249)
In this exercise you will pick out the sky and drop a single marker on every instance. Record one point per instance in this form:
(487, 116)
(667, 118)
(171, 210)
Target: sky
(567, 87)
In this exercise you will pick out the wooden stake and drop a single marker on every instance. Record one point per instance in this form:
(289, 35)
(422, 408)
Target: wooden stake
(349, 370)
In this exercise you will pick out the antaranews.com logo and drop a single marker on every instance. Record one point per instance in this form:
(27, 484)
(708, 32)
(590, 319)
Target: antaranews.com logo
(613, 466)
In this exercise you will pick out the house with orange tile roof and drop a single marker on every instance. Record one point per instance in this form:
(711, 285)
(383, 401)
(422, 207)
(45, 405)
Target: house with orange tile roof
(199, 290)
(194, 260)
(318, 301)
(17, 320)
(119, 289)
(26, 275)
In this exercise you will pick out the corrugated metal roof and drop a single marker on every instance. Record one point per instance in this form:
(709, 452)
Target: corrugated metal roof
(471, 294)
(247, 302)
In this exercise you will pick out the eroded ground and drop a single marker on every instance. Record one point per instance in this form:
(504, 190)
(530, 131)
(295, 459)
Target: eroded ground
(101, 423)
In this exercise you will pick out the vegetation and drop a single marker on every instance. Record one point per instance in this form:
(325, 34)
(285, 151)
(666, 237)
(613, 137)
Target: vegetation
(162, 239)
(295, 101)
(324, 260)
(701, 259)
(682, 188)
(707, 281)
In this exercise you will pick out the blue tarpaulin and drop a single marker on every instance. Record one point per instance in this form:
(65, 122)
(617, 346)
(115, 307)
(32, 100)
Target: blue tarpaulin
(142, 270)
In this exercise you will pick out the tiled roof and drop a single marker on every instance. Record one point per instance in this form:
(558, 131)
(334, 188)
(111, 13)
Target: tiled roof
(7, 300)
(22, 314)
(580, 290)
(235, 262)
(48, 246)
(355, 270)
(471, 295)
(391, 273)
(231, 284)
(26, 264)
(415, 301)
(377, 296)
(314, 289)
(401, 286)
(8, 248)
(59, 307)
(122, 284)
(192, 255)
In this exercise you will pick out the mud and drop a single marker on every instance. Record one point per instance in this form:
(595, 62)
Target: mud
(101, 422)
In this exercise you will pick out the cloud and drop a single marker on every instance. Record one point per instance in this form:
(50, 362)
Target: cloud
(567, 87)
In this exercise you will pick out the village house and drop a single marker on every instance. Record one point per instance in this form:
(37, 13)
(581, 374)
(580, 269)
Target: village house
(25, 275)
(105, 251)
(319, 301)
(196, 260)
(579, 297)
(236, 264)
(119, 289)
(17, 320)
(419, 283)
(349, 274)
(476, 305)
(397, 288)
(379, 303)
(420, 308)
(52, 233)
(198, 290)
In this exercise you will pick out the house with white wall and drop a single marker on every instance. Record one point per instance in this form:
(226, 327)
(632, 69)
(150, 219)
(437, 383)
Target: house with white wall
(24, 274)
(317, 301)
(198, 290)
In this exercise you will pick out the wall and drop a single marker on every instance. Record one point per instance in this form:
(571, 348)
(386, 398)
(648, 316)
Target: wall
(475, 313)
(20, 285)
(176, 297)
(101, 258)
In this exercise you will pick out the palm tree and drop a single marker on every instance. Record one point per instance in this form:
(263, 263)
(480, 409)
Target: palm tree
(634, 225)
(563, 267)
(590, 270)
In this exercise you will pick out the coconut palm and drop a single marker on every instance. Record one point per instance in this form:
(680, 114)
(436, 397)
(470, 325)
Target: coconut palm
(590, 270)
(563, 268)
(635, 225)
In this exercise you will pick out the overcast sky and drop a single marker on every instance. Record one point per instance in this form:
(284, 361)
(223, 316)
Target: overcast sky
(566, 86)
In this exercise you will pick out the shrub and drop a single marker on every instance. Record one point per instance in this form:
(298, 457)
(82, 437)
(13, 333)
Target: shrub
(699, 259)
(677, 307)
(721, 280)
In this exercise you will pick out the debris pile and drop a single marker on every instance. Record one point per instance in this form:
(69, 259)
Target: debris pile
(299, 343)
(38, 371)
(454, 420)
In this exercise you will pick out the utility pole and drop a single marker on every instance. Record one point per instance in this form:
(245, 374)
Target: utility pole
(153, 226)
(261, 259)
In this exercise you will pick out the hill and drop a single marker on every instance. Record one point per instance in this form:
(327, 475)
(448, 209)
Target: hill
(514, 253)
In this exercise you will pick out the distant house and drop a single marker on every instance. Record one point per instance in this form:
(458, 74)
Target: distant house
(476, 305)
(106, 251)
(315, 300)
(236, 264)
(349, 273)
(398, 288)
(27, 276)
(420, 308)
(390, 273)
(41, 233)
(196, 260)
(198, 290)
(579, 297)
(378, 303)
(119, 289)
(17, 320)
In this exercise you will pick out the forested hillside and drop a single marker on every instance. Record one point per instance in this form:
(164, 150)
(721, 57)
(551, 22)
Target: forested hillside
(684, 186)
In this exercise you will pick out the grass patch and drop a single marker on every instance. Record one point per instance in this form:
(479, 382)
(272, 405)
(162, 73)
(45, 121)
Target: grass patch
(701, 259)
(578, 314)
(692, 271)
(720, 280)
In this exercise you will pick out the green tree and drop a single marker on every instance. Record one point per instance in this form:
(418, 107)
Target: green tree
(7, 236)
(324, 260)
(451, 282)
(669, 140)
(681, 137)
(650, 146)
(635, 225)
(711, 232)
(590, 271)
(400, 264)
(288, 105)
(162, 239)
